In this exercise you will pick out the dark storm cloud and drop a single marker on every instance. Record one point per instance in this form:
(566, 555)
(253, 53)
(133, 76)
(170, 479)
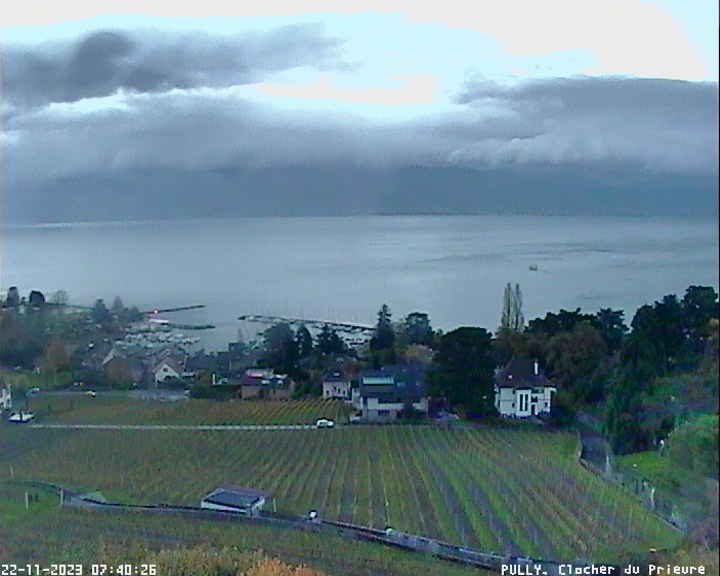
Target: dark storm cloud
(204, 130)
(103, 62)
(659, 125)
(180, 114)
(606, 124)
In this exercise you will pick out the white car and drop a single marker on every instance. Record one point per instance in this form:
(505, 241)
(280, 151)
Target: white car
(324, 423)
(21, 417)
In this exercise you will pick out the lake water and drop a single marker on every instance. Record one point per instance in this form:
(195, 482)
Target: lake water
(343, 269)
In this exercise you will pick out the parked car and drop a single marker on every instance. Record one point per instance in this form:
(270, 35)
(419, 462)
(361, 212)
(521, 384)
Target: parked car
(33, 391)
(91, 393)
(21, 417)
(324, 423)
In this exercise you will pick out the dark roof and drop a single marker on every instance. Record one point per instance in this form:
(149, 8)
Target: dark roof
(334, 377)
(235, 496)
(200, 361)
(275, 381)
(223, 360)
(408, 381)
(521, 373)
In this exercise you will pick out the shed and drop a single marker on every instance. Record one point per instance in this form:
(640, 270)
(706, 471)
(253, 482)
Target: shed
(249, 501)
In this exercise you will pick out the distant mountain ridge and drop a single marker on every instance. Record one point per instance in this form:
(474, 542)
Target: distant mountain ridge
(356, 190)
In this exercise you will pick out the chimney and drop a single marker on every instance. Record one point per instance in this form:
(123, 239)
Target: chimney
(535, 367)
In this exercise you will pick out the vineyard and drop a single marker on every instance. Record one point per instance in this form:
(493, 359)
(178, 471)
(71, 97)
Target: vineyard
(81, 409)
(502, 490)
(47, 533)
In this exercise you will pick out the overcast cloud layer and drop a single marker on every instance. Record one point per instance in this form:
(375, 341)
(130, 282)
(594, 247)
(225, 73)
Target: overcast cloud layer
(115, 102)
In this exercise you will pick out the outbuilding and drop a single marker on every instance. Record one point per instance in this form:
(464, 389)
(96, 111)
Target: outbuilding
(248, 501)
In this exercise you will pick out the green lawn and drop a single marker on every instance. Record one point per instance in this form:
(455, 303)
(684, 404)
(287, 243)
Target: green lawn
(656, 469)
(26, 379)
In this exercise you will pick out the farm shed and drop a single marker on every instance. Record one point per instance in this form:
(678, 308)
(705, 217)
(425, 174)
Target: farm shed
(247, 501)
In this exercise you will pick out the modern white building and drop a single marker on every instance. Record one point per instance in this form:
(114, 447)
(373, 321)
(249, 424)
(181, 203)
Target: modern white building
(384, 394)
(522, 390)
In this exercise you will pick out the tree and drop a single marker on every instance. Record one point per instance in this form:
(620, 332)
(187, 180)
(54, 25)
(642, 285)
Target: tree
(329, 342)
(420, 354)
(465, 370)
(99, 313)
(575, 361)
(417, 328)
(699, 307)
(59, 298)
(13, 297)
(662, 325)
(281, 351)
(508, 345)
(56, 356)
(384, 337)
(117, 307)
(693, 446)
(641, 358)
(512, 318)
(612, 327)
(563, 321)
(22, 339)
(304, 341)
(133, 314)
(36, 299)
(620, 423)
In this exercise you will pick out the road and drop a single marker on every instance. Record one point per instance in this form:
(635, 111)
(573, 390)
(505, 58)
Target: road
(213, 427)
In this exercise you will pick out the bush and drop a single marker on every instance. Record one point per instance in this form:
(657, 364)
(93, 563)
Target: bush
(209, 392)
(693, 446)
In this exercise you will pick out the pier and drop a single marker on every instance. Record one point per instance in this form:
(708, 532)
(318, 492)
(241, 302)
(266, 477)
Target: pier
(178, 309)
(363, 329)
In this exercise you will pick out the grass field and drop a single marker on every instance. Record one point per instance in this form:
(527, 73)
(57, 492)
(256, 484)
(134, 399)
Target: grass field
(656, 469)
(83, 409)
(501, 490)
(25, 379)
(45, 533)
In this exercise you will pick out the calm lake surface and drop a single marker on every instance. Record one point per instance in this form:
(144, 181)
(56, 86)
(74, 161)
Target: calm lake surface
(343, 269)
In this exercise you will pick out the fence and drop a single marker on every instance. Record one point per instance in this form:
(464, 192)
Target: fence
(389, 537)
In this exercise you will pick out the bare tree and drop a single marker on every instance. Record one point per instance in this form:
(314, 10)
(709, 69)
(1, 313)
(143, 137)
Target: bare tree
(512, 319)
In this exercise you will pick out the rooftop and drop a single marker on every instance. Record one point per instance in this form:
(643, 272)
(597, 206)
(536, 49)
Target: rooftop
(235, 496)
(522, 373)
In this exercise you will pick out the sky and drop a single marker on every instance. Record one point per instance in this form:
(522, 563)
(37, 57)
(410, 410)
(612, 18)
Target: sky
(612, 87)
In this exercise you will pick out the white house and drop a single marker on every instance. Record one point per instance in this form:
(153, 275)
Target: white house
(5, 398)
(169, 367)
(384, 394)
(522, 390)
(336, 386)
(248, 501)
